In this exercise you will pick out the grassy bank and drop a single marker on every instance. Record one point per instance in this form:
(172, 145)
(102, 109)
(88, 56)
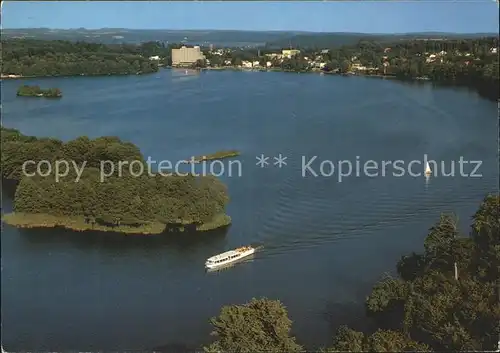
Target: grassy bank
(28, 220)
(23, 77)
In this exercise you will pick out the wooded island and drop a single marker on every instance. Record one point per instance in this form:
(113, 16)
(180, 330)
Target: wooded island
(123, 203)
(36, 91)
(470, 62)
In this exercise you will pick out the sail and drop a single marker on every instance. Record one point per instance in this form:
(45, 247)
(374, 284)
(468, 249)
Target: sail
(428, 169)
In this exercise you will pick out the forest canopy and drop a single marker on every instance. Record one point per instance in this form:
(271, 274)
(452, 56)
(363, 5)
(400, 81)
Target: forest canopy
(152, 201)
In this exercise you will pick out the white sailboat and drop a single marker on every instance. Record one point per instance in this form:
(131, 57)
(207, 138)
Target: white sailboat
(428, 170)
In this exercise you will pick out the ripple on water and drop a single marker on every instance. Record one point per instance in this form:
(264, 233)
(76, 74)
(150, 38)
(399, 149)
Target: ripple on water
(324, 215)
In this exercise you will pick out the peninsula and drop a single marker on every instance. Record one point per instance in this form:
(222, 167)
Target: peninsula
(122, 202)
(36, 91)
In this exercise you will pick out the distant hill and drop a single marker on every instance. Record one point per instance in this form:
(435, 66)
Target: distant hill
(121, 35)
(229, 38)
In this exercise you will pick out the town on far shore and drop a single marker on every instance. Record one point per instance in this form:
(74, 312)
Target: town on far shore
(193, 56)
(466, 62)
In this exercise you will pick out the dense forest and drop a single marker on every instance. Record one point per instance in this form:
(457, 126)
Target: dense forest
(444, 299)
(149, 202)
(63, 58)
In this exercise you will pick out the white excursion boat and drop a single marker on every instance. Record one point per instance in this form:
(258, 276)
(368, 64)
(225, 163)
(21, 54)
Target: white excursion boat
(229, 256)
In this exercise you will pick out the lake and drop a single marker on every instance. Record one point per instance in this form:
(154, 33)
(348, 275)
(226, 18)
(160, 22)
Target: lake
(326, 241)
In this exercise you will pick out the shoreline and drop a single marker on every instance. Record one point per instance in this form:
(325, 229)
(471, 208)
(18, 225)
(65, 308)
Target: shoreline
(78, 224)
(224, 68)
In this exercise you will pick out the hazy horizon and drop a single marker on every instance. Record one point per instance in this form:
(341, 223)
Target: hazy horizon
(240, 30)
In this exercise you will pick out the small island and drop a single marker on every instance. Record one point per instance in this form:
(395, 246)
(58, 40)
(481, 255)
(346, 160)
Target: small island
(213, 156)
(121, 202)
(36, 91)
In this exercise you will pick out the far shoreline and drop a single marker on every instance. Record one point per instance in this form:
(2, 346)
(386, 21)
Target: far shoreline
(225, 68)
(478, 90)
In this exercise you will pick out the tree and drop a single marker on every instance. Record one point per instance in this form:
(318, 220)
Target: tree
(121, 198)
(345, 65)
(440, 241)
(216, 60)
(200, 64)
(347, 340)
(486, 235)
(332, 65)
(386, 302)
(262, 325)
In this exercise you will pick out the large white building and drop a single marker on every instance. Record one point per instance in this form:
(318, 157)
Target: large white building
(186, 56)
